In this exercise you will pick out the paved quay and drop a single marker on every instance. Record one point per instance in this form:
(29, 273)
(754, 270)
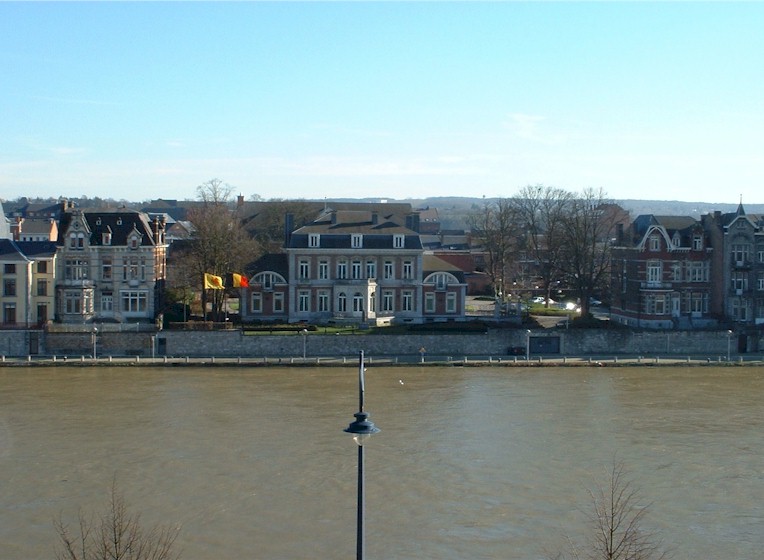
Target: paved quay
(386, 361)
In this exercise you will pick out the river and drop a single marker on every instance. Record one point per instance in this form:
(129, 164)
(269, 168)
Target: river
(471, 463)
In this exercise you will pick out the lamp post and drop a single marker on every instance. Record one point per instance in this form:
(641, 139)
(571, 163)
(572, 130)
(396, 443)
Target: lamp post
(94, 337)
(729, 338)
(527, 345)
(304, 333)
(361, 428)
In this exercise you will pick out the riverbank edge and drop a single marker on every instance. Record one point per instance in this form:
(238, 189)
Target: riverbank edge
(370, 361)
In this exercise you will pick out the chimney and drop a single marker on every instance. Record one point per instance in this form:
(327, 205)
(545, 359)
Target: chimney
(17, 229)
(374, 217)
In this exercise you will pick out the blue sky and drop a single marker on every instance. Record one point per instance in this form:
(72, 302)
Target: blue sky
(391, 100)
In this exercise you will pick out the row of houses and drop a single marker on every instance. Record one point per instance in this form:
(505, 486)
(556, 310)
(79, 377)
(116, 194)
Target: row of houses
(366, 264)
(104, 266)
(355, 266)
(680, 272)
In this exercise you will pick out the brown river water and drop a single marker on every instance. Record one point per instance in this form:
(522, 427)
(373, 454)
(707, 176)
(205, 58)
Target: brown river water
(471, 463)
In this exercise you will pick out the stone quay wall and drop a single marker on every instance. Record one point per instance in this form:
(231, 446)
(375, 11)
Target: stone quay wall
(501, 342)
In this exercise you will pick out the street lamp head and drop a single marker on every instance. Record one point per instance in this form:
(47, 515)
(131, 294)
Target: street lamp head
(362, 428)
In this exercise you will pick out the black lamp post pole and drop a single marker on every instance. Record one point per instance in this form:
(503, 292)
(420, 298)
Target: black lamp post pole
(362, 428)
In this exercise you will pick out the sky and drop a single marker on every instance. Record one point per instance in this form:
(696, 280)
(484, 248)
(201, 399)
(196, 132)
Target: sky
(145, 100)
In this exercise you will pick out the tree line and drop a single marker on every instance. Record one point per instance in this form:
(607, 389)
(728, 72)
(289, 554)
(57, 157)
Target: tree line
(548, 237)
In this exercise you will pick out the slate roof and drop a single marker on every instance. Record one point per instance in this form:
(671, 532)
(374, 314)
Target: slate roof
(10, 252)
(40, 249)
(120, 223)
(336, 227)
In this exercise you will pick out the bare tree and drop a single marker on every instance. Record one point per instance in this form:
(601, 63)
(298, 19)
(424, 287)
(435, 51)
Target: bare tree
(617, 520)
(541, 211)
(116, 535)
(220, 244)
(589, 226)
(496, 227)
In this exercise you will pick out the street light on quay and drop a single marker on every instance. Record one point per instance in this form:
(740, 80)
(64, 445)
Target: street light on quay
(729, 339)
(94, 336)
(362, 428)
(304, 333)
(527, 345)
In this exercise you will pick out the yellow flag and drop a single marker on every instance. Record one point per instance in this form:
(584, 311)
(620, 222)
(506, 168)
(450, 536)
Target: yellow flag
(212, 282)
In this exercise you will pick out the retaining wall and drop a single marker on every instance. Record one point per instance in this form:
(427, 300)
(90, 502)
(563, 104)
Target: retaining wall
(234, 343)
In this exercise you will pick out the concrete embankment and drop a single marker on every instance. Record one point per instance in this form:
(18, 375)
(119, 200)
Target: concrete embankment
(499, 346)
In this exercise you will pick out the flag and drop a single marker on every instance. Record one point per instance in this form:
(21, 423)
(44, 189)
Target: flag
(212, 282)
(240, 281)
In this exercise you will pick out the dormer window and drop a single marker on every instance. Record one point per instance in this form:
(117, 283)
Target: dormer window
(697, 242)
(398, 241)
(106, 238)
(133, 242)
(314, 240)
(676, 240)
(356, 240)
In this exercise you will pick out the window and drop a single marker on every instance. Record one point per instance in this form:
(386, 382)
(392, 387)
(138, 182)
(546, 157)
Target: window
(323, 300)
(131, 269)
(355, 270)
(408, 270)
(77, 240)
(407, 301)
(9, 269)
(133, 242)
(441, 281)
(303, 301)
(76, 269)
(676, 269)
(356, 240)
(134, 301)
(342, 270)
(278, 302)
(9, 313)
(342, 302)
(77, 302)
(107, 302)
(323, 270)
(451, 302)
(654, 271)
(740, 252)
(257, 302)
(760, 281)
(697, 242)
(42, 267)
(42, 287)
(429, 302)
(314, 240)
(398, 241)
(388, 272)
(655, 304)
(760, 256)
(9, 287)
(42, 313)
(304, 269)
(655, 243)
(106, 269)
(739, 281)
(387, 301)
(699, 302)
(106, 238)
(698, 272)
(358, 302)
(371, 269)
